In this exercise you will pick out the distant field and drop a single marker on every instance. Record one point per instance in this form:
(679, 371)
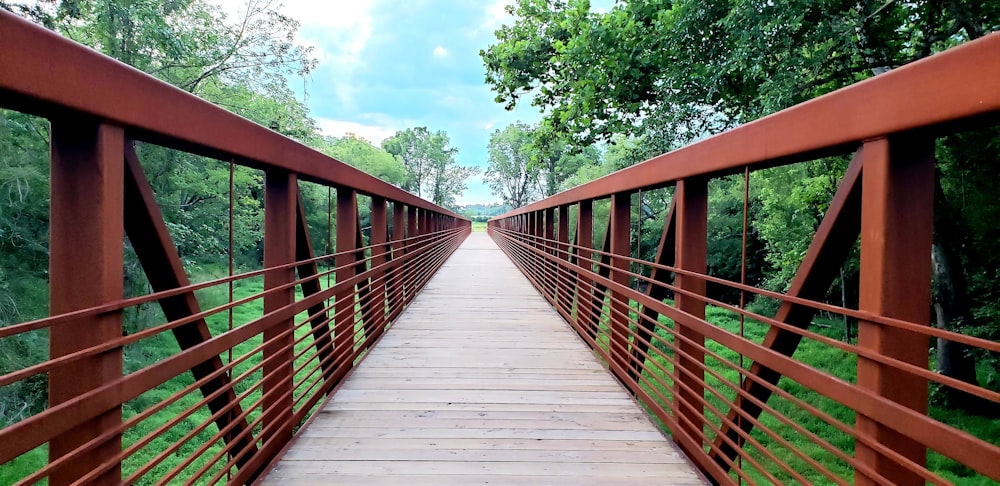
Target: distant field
(479, 226)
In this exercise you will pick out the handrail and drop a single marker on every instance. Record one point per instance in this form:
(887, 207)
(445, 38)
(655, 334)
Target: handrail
(684, 359)
(243, 376)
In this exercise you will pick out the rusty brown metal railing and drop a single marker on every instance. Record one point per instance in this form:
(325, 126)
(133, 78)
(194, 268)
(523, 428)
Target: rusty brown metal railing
(244, 391)
(687, 370)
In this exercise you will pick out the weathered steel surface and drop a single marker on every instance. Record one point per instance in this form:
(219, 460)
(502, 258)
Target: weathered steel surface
(619, 246)
(346, 261)
(691, 253)
(896, 234)
(280, 220)
(85, 270)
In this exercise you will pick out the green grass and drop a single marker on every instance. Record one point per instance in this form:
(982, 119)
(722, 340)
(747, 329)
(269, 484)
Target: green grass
(151, 350)
(659, 384)
(478, 227)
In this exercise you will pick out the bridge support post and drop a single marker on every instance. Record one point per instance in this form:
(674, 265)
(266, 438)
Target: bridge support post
(396, 277)
(550, 216)
(280, 220)
(563, 254)
(691, 198)
(896, 237)
(85, 270)
(585, 240)
(379, 232)
(345, 261)
(411, 235)
(620, 239)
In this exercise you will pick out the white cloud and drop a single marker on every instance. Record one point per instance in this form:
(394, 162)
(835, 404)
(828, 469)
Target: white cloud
(602, 6)
(339, 128)
(488, 125)
(441, 52)
(495, 16)
(338, 32)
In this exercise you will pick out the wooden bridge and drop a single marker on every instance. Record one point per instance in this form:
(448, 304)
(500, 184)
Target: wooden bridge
(413, 352)
(480, 381)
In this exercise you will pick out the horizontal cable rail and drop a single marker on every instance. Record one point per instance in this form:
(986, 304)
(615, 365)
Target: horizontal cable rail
(726, 381)
(243, 373)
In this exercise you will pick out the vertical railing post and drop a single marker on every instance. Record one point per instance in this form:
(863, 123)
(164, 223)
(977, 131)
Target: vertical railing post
(563, 236)
(411, 233)
(424, 230)
(585, 240)
(621, 226)
(344, 304)
(85, 270)
(529, 230)
(896, 237)
(538, 231)
(396, 282)
(280, 219)
(550, 267)
(692, 231)
(377, 240)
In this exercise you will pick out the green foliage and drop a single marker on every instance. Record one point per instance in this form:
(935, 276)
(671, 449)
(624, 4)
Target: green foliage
(359, 153)
(792, 202)
(677, 70)
(190, 43)
(483, 210)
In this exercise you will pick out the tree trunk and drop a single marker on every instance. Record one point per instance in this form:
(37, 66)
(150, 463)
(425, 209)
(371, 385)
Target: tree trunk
(951, 305)
(843, 303)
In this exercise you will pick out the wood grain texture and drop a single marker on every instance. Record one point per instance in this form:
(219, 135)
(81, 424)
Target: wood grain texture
(481, 382)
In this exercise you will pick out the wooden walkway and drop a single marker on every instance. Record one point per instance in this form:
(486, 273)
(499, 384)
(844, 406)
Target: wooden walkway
(481, 382)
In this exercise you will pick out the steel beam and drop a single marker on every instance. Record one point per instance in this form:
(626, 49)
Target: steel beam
(692, 233)
(85, 270)
(346, 261)
(585, 240)
(896, 235)
(320, 320)
(830, 248)
(380, 255)
(619, 238)
(158, 256)
(280, 217)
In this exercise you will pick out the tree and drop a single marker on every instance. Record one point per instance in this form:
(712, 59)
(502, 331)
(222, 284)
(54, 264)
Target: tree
(510, 173)
(557, 160)
(430, 164)
(528, 162)
(450, 180)
(190, 43)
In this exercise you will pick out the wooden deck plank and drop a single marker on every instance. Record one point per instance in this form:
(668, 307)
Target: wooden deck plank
(480, 382)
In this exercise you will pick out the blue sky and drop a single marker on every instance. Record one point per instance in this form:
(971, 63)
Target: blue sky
(387, 65)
